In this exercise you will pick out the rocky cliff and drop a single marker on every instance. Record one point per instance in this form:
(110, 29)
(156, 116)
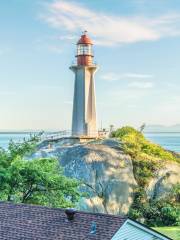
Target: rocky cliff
(106, 173)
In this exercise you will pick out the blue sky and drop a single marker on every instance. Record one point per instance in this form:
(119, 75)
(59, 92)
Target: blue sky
(137, 48)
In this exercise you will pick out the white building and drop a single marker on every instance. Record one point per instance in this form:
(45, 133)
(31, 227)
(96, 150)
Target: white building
(132, 230)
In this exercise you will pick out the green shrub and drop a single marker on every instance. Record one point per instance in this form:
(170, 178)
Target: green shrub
(160, 212)
(147, 157)
(37, 181)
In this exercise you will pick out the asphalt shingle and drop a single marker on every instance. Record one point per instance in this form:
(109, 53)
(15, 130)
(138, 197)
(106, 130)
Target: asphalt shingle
(30, 222)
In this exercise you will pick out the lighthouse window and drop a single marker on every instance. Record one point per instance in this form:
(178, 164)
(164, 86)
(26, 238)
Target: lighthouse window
(84, 49)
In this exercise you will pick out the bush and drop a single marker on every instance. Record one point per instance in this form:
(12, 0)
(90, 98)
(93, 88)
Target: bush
(147, 157)
(37, 181)
(161, 212)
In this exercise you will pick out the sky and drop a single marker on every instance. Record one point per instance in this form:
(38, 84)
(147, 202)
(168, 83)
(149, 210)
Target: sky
(136, 45)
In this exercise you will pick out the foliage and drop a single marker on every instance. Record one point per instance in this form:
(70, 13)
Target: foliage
(147, 157)
(135, 144)
(37, 181)
(160, 212)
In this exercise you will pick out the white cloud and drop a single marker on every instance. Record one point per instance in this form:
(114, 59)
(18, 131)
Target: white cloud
(55, 49)
(112, 76)
(110, 29)
(138, 75)
(67, 37)
(141, 85)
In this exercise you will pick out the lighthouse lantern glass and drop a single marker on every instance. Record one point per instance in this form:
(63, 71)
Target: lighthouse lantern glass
(84, 49)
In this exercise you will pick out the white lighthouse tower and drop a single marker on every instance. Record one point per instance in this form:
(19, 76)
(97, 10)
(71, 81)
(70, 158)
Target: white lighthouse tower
(84, 104)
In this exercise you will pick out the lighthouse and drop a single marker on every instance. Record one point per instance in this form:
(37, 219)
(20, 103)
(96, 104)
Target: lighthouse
(84, 104)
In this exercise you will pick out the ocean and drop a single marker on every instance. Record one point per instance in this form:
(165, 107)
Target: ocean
(6, 137)
(168, 140)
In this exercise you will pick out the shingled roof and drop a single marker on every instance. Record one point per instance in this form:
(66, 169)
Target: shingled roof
(21, 221)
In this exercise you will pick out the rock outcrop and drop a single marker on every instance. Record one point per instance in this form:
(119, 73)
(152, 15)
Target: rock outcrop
(166, 177)
(106, 173)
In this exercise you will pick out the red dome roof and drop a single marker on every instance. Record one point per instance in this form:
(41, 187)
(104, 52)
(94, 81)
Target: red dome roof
(85, 39)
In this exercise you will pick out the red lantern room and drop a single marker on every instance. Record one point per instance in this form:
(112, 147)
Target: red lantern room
(84, 51)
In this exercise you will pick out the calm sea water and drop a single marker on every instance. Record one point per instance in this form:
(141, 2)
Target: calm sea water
(170, 141)
(6, 137)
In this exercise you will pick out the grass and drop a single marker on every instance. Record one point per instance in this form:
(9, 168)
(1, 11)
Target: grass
(172, 232)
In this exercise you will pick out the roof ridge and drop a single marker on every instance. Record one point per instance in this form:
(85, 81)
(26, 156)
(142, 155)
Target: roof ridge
(63, 209)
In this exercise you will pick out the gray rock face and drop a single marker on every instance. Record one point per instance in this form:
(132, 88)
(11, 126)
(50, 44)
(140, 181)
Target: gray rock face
(107, 174)
(163, 183)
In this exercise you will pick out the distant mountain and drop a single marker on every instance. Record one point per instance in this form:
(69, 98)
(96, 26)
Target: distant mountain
(162, 128)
